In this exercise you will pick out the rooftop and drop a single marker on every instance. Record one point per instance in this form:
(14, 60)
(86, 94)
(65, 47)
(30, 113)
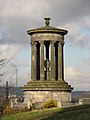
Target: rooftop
(47, 29)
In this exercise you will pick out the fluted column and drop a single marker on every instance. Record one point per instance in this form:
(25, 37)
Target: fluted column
(60, 61)
(52, 60)
(41, 60)
(33, 61)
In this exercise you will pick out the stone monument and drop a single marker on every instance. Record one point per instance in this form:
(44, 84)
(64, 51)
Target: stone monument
(47, 66)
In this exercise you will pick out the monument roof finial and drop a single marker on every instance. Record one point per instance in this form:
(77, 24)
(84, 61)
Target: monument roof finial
(47, 21)
(47, 29)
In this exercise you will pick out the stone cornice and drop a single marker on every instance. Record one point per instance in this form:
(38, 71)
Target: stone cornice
(46, 37)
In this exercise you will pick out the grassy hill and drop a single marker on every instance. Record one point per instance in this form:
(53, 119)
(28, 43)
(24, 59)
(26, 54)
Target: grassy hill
(74, 113)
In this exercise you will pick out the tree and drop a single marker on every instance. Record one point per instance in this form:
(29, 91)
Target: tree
(3, 61)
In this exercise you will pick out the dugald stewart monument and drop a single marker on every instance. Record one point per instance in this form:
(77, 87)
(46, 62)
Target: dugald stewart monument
(47, 66)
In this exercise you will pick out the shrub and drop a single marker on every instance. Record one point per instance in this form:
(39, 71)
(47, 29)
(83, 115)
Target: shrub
(3, 104)
(0, 103)
(25, 109)
(49, 104)
(8, 110)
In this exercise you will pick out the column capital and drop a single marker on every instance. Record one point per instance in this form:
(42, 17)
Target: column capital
(52, 42)
(41, 42)
(61, 43)
(33, 43)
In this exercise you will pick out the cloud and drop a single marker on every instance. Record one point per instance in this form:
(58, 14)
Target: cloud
(7, 51)
(74, 73)
(85, 77)
(28, 8)
(65, 11)
(23, 76)
(79, 32)
(17, 17)
(78, 79)
(20, 63)
(23, 72)
(86, 62)
(71, 73)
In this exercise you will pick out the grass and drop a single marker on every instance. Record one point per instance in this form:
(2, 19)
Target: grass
(74, 113)
(34, 115)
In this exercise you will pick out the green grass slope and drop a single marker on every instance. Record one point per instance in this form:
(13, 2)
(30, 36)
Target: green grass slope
(74, 113)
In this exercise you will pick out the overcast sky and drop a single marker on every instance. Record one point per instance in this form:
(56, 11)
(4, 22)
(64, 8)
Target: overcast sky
(17, 16)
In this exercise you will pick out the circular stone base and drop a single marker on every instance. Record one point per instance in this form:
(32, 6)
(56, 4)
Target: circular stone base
(42, 91)
(43, 96)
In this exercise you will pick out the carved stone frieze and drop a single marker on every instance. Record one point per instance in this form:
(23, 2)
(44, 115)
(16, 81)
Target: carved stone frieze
(46, 37)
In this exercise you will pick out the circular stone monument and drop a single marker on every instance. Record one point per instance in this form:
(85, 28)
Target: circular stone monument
(47, 66)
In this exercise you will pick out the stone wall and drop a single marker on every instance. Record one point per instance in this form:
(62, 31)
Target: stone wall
(43, 96)
(84, 101)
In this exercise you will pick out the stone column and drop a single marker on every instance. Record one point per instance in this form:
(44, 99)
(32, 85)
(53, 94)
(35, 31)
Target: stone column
(60, 61)
(63, 61)
(52, 60)
(33, 60)
(41, 60)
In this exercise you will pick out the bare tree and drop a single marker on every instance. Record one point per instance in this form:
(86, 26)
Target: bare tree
(1, 40)
(3, 61)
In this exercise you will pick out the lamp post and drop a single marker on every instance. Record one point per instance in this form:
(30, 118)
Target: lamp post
(7, 92)
(16, 83)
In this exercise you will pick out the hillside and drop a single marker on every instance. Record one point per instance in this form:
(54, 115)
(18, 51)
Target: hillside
(74, 113)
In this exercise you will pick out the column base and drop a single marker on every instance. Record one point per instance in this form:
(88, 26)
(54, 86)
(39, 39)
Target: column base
(42, 79)
(52, 79)
(47, 85)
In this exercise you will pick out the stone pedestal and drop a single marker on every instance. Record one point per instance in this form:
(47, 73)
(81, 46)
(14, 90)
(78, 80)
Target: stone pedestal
(42, 91)
(43, 96)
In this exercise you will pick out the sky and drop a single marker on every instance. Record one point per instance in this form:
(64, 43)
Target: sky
(18, 16)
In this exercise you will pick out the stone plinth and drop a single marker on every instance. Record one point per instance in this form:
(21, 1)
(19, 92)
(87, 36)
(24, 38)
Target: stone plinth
(59, 85)
(42, 91)
(43, 96)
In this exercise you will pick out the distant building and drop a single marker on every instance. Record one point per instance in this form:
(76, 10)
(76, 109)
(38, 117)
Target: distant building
(84, 101)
